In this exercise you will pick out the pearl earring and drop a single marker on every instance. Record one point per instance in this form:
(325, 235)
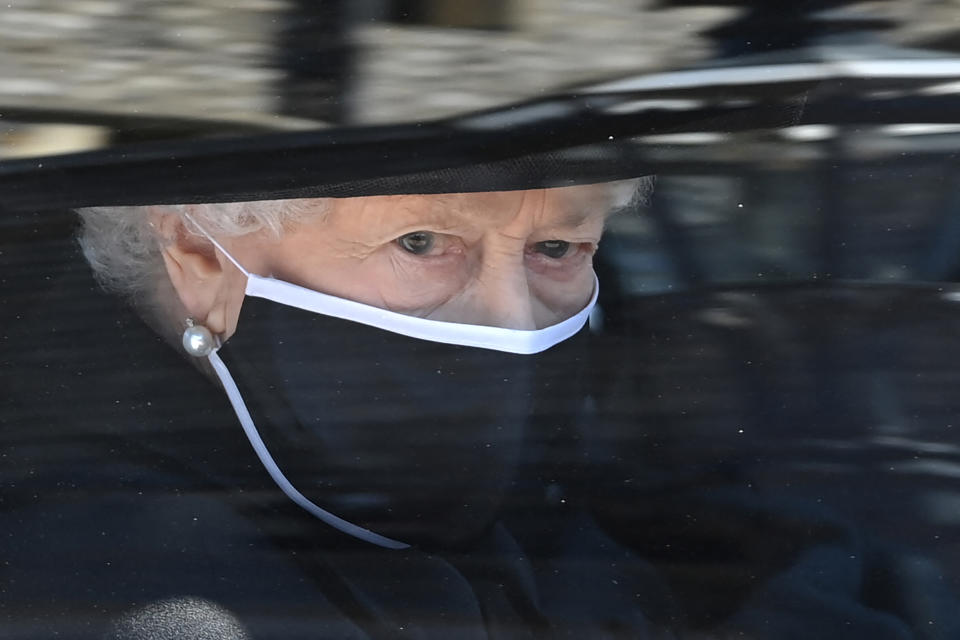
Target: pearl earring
(197, 340)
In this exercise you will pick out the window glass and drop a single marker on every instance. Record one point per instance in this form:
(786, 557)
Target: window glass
(488, 320)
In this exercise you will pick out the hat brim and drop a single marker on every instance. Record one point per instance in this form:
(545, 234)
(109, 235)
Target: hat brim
(563, 140)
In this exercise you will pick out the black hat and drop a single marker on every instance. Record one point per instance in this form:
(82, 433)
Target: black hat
(581, 136)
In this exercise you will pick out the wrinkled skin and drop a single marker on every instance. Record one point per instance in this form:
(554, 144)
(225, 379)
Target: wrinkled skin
(518, 259)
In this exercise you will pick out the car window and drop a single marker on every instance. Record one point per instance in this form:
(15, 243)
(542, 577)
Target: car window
(418, 319)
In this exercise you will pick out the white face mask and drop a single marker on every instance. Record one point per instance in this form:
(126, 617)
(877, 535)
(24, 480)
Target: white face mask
(511, 341)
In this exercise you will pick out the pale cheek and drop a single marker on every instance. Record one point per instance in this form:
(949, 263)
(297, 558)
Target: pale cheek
(558, 299)
(343, 277)
(419, 286)
(440, 288)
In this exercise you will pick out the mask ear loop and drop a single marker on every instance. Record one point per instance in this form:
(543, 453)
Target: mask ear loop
(246, 421)
(217, 244)
(260, 448)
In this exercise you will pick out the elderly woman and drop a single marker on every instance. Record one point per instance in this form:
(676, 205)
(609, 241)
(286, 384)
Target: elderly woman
(426, 460)
(398, 364)
(486, 274)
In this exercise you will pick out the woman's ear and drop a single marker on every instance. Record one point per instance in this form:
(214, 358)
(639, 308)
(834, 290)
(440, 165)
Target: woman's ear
(195, 270)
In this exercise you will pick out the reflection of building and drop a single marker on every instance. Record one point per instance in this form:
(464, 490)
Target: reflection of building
(132, 67)
(136, 56)
(415, 69)
(117, 70)
(143, 69)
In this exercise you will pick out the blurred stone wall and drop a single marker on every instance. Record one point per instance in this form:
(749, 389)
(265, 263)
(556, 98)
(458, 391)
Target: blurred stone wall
(219, 58)
(926, 23)
(209, 58)
(87, 61)
(430, 71)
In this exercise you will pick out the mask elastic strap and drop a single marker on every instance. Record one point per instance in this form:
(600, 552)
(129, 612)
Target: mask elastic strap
(246, 421)
(260, 448)
(217, 244)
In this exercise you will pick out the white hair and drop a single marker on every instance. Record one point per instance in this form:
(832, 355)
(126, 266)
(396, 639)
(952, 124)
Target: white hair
(124, 249)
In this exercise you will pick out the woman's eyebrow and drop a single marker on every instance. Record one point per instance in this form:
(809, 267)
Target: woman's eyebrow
(436, 213)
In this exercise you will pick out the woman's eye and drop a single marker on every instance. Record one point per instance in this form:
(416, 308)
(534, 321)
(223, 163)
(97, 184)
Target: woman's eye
(555, 249)
(418, 243)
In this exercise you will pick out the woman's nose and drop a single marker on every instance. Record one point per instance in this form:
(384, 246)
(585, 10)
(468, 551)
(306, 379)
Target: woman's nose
(503, 295)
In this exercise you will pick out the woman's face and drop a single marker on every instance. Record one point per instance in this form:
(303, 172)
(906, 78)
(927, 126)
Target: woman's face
(519, 259)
